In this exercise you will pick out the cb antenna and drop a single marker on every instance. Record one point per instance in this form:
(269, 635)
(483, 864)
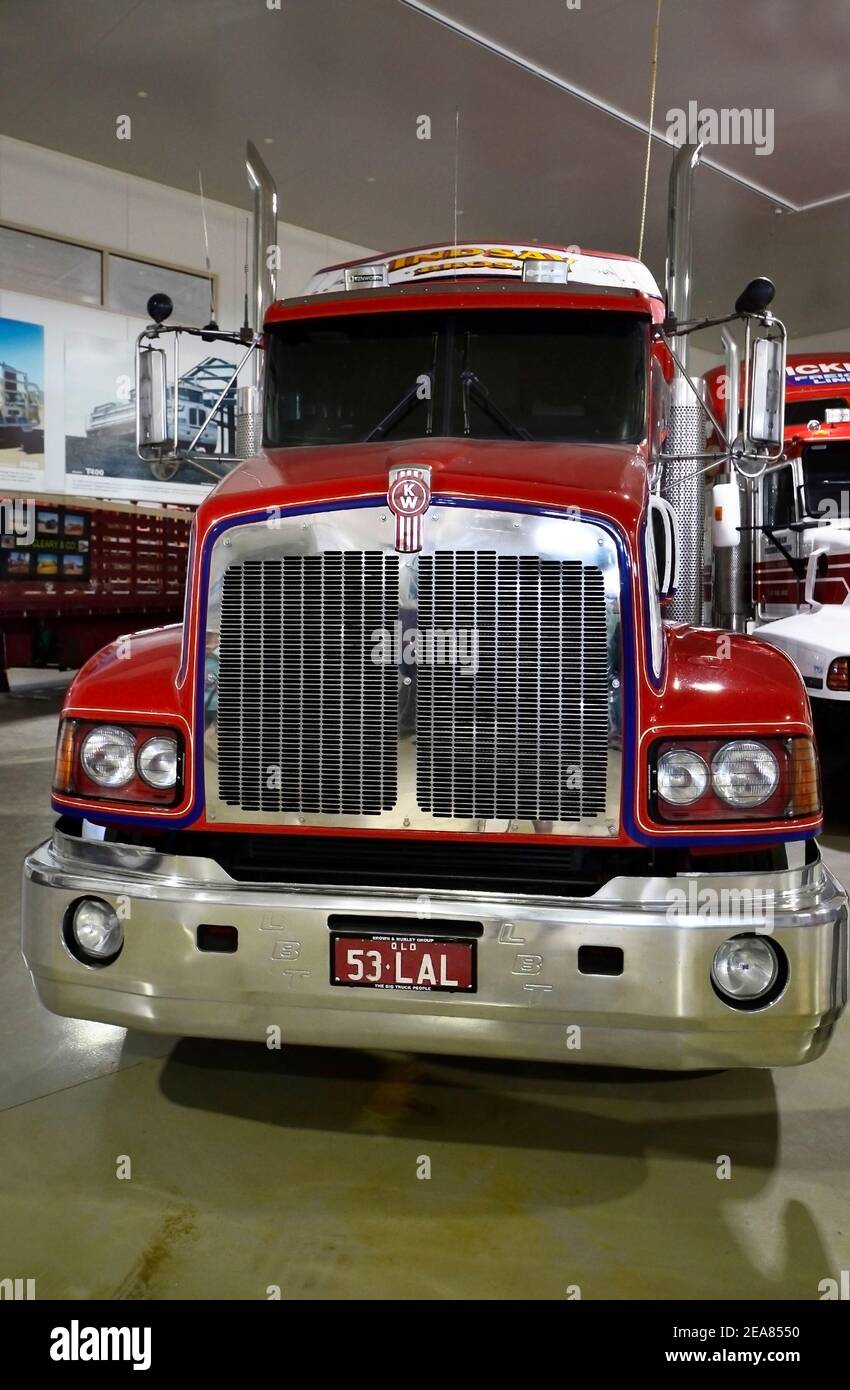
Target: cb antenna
(457, 168)
(247, 323)
(212, 326)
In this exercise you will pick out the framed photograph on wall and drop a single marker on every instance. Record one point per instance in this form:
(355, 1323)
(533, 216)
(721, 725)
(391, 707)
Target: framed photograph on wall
(21, 404)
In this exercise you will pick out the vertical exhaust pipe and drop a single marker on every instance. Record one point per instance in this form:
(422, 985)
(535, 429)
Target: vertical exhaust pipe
(732, 593)
(682, 484)
(680, 239)
(732, 367)
(249, 407)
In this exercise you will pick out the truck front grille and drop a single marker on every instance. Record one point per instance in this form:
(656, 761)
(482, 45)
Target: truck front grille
(307, 722)
(518, 729)
(473, 687)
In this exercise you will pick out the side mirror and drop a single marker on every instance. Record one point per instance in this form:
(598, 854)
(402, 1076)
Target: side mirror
(660, 416)
(665, 538)
(725, 515)
(151, 412)
(765, 404)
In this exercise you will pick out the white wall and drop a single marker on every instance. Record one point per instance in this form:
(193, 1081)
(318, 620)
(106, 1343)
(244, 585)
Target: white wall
(54, 193)
(835, 342)
(51, 192)
(700, 361)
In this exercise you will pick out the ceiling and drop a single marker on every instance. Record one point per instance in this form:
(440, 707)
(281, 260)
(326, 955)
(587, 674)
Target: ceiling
(548, 142)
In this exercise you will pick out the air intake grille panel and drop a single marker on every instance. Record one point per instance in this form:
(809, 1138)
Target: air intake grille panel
(307, 722)
(526, 735)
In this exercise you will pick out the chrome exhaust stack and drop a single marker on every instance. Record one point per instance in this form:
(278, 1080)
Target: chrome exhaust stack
(732, 588)
(249, 402)
(683, 484)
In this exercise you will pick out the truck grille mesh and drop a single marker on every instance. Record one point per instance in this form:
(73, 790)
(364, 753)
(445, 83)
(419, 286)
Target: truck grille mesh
(526, 736)
(306, 720)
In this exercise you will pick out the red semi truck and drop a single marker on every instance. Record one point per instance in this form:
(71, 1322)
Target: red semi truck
(425, 767)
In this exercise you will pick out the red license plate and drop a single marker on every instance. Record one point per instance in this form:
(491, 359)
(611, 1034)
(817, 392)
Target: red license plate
(418, 963)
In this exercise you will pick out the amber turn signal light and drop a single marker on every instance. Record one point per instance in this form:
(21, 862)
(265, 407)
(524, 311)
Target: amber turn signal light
(63, 776)
(805, 797)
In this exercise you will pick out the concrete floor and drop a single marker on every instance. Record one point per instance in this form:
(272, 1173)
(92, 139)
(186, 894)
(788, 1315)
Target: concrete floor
(298, 1169)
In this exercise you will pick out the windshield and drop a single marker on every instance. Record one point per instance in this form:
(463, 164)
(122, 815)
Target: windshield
(488, 374)
(801, 412)
(826, 479)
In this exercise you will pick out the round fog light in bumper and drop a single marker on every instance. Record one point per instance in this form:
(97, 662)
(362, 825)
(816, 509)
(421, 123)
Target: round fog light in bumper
(749, 971)
(93, 932)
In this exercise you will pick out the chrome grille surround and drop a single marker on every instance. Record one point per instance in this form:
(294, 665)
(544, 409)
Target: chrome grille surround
(544, 594)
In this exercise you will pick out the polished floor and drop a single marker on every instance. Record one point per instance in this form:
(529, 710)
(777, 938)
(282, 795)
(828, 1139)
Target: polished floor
(297, 1170)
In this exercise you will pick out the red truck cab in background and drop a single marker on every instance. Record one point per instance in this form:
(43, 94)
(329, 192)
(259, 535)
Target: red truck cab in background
(76, 575)
(797, 574)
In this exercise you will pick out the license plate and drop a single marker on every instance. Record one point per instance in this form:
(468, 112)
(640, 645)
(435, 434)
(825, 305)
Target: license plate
(421, 964)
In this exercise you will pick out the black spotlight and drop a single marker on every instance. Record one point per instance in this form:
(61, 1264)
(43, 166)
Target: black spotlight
(756, 296)
(160, 307)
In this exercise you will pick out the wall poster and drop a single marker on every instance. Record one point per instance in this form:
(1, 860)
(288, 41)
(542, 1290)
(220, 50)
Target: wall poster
(100, 424)
(21, 405)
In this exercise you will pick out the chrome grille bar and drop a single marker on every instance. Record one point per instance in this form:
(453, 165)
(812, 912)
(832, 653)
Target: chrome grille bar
(307, 721)
(523, 732)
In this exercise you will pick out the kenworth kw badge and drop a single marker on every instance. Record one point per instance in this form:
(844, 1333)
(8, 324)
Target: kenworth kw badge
(409, 497)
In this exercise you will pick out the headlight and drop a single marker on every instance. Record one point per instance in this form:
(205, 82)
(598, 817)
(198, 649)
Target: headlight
(157, 761)
(745, 968)
(744, 774)
(108, 756)
(713, 780)
(682, 776)
(134, 764)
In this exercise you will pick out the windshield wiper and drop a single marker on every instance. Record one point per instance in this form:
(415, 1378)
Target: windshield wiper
(408, 401)
(474, 386)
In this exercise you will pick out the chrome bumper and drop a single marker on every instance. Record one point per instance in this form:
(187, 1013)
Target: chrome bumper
(531, 999)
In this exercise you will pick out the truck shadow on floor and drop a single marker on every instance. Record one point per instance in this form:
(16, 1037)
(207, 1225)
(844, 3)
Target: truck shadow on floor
(509, 1138)
(488, 1103)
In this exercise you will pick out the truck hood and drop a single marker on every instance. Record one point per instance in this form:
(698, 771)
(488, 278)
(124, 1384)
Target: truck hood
(825, 632)
(598, 478)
